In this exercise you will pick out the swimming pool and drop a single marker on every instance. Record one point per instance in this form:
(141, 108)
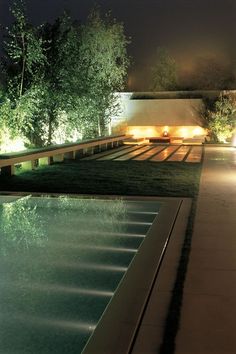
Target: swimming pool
(75, 272)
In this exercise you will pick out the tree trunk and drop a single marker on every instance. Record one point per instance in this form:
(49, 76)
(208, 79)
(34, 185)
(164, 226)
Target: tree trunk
(99, 127)
(23, 66)
(50, 131)
(109, 128)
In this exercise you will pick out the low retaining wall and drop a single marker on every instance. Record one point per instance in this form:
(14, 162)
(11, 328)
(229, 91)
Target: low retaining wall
(57, 153)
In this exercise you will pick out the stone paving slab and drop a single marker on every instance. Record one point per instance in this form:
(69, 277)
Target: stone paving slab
(208, 313)
(150, 334)
(160, 153)
(195, 154)
(133, 153)
(208, 341)
(164, 155)
(114, 155)
(153, 151)
(105, 153)
(180, 154)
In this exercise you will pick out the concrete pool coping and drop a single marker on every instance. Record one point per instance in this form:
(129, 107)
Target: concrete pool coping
(150, 335)
(145, 336)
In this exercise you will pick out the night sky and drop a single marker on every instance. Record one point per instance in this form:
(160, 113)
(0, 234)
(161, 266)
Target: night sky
(190, 30)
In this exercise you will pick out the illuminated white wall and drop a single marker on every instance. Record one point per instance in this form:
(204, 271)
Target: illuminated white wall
(150, 117)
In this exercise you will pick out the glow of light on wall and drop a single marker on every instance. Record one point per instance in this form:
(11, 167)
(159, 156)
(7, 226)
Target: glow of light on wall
(184, 132)
(136, 132)
(142, 132)
(149, 132)
(152, 131)
(234, 140)
(198, 131)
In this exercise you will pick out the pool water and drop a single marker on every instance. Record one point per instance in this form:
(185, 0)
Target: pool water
(61, 261)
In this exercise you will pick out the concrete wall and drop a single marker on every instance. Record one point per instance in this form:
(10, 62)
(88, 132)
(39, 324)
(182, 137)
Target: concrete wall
(150, 116)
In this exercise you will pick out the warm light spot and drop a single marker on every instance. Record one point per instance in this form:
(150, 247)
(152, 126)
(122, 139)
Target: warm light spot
(198, 131)
(234, 139)
(150, 132)
(184, 132)
(136, 132)
(142, 132)
(56, 323)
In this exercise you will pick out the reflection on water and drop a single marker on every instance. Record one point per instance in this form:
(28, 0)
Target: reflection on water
(61, 259)
(21, 227)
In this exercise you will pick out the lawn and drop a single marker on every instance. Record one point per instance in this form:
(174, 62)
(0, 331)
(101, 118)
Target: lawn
(171, 179)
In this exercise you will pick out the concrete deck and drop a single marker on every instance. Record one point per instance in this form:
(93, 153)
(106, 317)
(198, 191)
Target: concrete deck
(208, 314)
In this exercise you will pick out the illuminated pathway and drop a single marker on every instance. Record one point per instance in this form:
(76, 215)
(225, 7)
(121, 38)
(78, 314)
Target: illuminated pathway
(153, 153)
(208, 313)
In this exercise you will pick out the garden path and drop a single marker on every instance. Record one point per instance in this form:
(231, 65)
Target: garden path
(208, 313)
(152, 152)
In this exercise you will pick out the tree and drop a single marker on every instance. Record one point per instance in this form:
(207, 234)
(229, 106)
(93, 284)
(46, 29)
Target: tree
(42, 73)
(24, 48)
(61, 76)
(25, 60)
(164, 76)
(103, 66)
(221, 119)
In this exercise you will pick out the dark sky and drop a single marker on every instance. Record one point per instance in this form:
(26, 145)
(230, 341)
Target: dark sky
(190, 30)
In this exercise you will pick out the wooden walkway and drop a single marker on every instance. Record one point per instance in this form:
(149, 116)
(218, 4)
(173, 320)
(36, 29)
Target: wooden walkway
(153, 153)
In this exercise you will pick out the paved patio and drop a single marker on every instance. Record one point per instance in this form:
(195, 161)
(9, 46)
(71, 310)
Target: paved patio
(208, 315)
(152, 152)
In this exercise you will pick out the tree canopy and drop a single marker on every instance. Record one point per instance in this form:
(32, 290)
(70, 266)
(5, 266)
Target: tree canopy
(61, 78)
(220, 118)
(164, 72)
(103, 64)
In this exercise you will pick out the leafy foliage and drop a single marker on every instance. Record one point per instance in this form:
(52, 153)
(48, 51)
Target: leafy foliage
(103, 64)
(61, 78)
(21, 227)
(221, 118)
(24, 49)
(164, 77)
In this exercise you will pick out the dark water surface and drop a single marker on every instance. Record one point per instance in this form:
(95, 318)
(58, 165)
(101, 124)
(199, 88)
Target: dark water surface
(61, 260)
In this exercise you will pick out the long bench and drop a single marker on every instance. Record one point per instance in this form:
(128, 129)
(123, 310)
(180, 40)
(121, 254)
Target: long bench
(159, 139)
(57, 152)
(165, 139)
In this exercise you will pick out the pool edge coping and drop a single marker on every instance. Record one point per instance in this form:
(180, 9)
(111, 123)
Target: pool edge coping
(164, 286)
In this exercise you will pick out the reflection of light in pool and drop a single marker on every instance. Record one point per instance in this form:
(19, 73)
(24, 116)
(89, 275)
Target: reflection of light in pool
(91, 266)
(97, 248)
(109, 249)
(57, 288)
(143, 212)
(121, 234)
(136, 223)
(48, 322)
